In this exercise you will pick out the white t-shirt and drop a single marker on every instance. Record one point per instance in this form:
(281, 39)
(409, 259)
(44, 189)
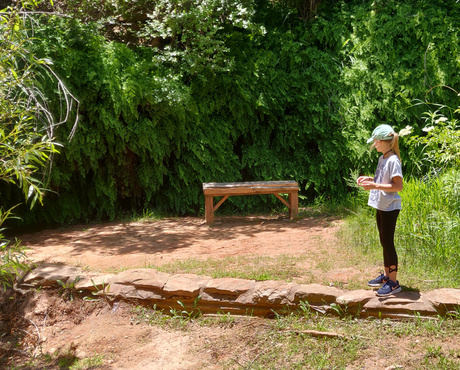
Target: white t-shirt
(387, 169)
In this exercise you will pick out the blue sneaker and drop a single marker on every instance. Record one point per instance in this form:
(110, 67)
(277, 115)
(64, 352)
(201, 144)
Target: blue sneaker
(389, 288)
(378, 281)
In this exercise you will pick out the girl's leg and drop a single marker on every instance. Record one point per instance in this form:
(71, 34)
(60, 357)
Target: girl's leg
(378, 217)
(386, 223)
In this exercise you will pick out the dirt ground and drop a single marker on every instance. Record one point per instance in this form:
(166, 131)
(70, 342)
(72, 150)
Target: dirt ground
(57, 332)
(112, 246)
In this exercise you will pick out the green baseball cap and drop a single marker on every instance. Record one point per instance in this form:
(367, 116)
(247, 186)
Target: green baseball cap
(381, 132)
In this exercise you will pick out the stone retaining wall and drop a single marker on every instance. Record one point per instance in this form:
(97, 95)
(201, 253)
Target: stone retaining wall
(240, 296)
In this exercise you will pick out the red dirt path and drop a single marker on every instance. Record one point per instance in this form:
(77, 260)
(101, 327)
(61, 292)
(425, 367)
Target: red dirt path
(154, 243)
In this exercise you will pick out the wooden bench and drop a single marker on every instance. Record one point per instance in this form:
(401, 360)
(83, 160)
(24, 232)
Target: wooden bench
(226, 189)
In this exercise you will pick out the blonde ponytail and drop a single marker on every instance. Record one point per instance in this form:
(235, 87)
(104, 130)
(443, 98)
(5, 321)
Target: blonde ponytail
(395, 144)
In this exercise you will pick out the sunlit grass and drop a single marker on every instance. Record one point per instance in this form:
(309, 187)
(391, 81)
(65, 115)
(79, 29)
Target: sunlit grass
(244, 267)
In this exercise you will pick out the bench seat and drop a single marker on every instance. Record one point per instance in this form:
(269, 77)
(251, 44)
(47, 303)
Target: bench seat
(226, 189)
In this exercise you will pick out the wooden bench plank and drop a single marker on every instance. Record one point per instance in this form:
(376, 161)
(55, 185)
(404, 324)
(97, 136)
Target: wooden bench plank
(226, 185)
(248, 191)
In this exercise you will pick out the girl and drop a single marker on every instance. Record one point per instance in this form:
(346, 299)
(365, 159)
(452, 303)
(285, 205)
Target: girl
(383, 196)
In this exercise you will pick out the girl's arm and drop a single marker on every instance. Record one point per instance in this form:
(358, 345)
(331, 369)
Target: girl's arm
(396, 185)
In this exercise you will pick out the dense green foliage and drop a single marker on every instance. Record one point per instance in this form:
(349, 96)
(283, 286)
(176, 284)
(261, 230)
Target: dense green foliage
(438, 148)
(247, 92)
(27, 127)
(26, 124)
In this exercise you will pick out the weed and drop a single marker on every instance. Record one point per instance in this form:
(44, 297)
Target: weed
(221, 319)
(435, 351)
(341, 311)
(147, 215)
(305, 309)
(193, 313)
(88, 363)
(151, 316)
(68, 360)
(100, 292)
(177, 318)
(68, 290)
(226, 318)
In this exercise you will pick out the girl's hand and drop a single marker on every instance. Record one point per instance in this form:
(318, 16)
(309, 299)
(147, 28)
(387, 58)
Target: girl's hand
(368, 185)
(362, 179)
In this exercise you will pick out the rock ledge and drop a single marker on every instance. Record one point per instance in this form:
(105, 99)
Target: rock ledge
(240, 296)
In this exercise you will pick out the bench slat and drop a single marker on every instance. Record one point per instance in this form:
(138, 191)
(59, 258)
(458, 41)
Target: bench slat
(251, 184)
(247, 191)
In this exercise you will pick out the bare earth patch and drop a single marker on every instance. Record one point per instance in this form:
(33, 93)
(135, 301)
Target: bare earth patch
(114, 246)
(140, 244)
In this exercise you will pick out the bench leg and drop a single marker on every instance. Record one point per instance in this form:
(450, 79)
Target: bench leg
(294, 202)
(209, 209)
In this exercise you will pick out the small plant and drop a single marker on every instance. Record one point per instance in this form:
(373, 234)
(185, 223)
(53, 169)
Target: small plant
(226, 318)
(341, 311)
(147, 215)
(68, 290)
(153, 316)
(67, 359)
(305, 309)
(455, 314)
(189, 314)
(100, 292)
(433, 352)
(88, 363)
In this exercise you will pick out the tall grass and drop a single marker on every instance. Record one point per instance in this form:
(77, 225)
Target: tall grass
(427, 233)
(429, 228)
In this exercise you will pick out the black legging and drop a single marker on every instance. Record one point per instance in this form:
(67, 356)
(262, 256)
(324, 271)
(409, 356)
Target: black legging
(386, 223)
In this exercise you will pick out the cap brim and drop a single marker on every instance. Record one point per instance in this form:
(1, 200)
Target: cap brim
(370, 140)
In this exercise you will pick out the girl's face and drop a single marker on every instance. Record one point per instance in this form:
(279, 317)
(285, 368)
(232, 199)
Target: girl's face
(382, 146)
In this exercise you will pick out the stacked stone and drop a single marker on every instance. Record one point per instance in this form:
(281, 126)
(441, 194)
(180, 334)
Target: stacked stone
(241, 296)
